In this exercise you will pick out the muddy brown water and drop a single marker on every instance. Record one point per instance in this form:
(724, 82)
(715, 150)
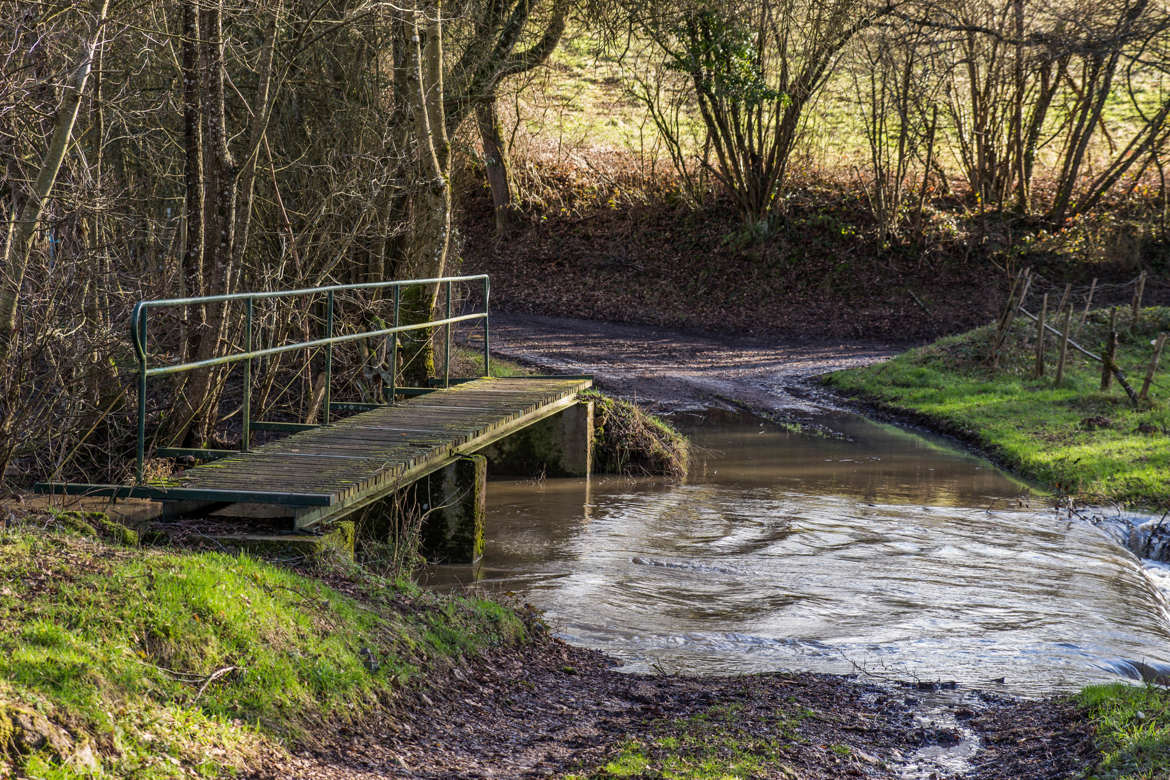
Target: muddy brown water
(840, 546)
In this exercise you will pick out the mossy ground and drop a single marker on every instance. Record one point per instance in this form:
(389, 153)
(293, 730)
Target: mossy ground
(170, 663)
(1072, 438)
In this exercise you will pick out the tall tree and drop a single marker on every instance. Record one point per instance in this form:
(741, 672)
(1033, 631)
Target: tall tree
(751, 69)
(221, 203)
(24, 218)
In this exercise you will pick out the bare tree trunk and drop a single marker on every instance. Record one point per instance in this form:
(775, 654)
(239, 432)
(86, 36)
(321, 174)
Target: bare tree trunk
(219, 170)
(495, 160)
(191, 276)
(23, 221)
(261, 113)
(220, 199)
(429, 236)
(1023, 196)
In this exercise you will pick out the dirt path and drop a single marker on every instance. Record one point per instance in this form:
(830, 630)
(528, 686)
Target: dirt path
(676, 370)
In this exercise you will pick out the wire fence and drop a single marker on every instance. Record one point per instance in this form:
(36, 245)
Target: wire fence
(1075, 304)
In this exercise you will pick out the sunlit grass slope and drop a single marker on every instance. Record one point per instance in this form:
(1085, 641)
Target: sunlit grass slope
(118, 662)
(1133, 730)
(1072, 438)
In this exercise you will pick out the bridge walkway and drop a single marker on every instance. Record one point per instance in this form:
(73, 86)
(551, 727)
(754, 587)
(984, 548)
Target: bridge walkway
(332, 470)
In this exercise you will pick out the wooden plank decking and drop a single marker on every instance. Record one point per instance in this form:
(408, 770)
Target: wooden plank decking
(340, 467)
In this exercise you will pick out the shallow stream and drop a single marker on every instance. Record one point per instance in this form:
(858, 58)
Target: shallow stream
(844, 546)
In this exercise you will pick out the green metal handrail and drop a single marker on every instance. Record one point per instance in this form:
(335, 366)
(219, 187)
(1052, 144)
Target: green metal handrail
(138, 334)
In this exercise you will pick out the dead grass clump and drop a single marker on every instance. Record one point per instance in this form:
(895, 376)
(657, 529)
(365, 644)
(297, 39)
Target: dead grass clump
(629, 440)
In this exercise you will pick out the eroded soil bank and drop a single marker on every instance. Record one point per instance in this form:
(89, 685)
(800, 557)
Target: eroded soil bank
(821, 270)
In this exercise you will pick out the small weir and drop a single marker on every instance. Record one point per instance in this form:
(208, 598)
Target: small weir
(843, 546)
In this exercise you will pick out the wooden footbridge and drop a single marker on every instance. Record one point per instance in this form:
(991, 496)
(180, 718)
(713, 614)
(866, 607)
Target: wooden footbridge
(323, 472)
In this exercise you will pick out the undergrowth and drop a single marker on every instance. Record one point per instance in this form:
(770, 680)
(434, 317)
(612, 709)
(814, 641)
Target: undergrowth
(629, 440)
(141, 662)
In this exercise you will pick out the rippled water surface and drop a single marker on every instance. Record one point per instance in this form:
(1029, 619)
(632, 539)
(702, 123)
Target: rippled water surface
(870, 549)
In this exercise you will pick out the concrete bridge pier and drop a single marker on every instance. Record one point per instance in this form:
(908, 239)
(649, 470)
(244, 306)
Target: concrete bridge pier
(453, 501)
(558, 446)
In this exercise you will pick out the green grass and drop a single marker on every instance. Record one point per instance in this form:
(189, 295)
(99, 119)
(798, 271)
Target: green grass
(714, 745)
(1133, 730)
(162, 662)
(1073, 438)
(466, 362)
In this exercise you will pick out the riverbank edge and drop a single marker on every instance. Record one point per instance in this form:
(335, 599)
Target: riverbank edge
(855, 388)
(127, 660)
(961, 438)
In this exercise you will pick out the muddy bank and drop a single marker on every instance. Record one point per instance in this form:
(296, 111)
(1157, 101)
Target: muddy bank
(548, 709)
(680, 370)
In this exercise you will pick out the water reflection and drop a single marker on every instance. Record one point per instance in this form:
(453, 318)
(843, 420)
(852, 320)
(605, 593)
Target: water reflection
(872, 548)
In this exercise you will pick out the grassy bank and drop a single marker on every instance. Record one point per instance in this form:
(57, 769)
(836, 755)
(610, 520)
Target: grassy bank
(119, 661)
(1072, 438)
(1133, 730)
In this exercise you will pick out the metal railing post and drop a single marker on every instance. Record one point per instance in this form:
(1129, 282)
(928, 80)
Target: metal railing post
(394, 351)
(487, 291)
(246, 439)
(447, 346)
(140, 329)
(328, 356)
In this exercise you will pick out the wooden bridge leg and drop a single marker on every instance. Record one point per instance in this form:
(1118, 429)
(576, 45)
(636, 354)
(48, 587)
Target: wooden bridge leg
(452, 530)
(558, 446)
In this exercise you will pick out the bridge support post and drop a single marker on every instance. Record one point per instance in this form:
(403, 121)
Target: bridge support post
(455, 495)
(559, 446)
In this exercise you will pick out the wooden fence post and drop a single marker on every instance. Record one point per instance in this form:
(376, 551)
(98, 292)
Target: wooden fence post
(1040, 336)
(1138, 292)
(1153, 369)
(1110, 352)
(1064, 344)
